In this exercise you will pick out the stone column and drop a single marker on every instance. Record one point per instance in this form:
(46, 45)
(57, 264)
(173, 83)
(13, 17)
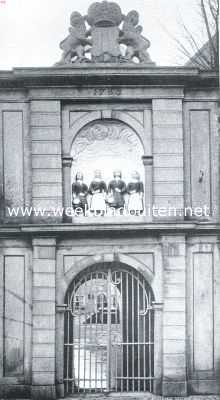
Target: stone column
(174, 316)
(43, 340)
(67, 164)
(148, 168)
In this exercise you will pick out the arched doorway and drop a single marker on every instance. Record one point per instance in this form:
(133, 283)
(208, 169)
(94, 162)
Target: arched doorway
(109, 331)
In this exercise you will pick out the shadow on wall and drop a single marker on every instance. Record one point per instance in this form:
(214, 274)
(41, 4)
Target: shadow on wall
(14, 364)
(3, 204)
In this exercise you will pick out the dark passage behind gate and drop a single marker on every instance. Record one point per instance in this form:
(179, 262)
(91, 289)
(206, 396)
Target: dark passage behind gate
(109, 331)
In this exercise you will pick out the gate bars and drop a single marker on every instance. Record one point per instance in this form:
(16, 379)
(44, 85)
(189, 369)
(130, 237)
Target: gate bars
(109, 331)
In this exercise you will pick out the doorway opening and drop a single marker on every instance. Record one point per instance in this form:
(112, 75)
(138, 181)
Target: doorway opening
(109, 331)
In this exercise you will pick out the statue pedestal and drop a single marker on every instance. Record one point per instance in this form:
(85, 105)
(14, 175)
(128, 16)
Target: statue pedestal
(121, 219)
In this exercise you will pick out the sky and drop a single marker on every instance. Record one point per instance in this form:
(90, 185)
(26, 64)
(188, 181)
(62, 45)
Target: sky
(31, 30)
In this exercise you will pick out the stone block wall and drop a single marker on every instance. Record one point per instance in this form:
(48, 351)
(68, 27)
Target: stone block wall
(46, 157)
(180, 138)
(168, 186)
(187, 324)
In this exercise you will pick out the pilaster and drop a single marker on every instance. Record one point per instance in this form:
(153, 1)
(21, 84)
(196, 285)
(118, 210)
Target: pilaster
(45, 119)
(174, 316)
(43, 340)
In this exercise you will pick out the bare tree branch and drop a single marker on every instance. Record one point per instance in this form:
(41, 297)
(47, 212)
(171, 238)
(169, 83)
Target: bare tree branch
(212, 9)
(206, 55)
(207, 25)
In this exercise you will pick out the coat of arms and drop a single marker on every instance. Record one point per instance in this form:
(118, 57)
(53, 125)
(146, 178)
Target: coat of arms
(98, 37)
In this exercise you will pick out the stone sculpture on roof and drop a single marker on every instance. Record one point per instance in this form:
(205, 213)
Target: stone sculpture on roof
(74, 44)
(105, 35)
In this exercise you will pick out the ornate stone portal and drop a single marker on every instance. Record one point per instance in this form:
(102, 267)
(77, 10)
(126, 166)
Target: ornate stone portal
(111, 37)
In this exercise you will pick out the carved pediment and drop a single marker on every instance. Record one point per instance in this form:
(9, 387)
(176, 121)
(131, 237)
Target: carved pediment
(105, 35)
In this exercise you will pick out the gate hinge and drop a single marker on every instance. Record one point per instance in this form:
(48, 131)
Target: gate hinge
(61, 307)
(144, 312)
(157, 306)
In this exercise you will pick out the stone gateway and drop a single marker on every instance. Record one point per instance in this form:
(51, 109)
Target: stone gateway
(109, 302)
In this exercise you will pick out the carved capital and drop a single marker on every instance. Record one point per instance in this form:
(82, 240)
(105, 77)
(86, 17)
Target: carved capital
(147, 160)
(67, 161)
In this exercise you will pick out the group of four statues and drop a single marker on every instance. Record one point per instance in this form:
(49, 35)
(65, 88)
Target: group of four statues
(117, 195)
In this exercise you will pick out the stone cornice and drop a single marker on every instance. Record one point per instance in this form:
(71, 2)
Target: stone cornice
(193, 228)
(111, 74)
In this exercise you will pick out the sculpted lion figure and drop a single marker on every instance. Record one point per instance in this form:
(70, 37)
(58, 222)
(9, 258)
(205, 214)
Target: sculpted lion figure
(137, 45)
(74, 44)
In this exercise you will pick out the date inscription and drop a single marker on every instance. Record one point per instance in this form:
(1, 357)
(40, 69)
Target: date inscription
(107, 91)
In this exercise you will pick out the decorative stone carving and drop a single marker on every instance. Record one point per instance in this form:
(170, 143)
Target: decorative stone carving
(107, 146)
(116, 191)
(79, 192)
(104, 131)
(98, 190)
(104, 19)
(103, 39)
(137, 45)
(74, 44)
(135, 189)
(104, 14)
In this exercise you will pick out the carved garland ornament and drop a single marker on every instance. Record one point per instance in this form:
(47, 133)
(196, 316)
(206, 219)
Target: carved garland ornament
(101, 42)
(110, 133)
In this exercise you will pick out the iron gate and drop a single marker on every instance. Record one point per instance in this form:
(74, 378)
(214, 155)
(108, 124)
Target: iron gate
(109, 332)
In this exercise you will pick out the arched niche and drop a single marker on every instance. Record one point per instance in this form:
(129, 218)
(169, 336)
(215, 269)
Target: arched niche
(107, 145)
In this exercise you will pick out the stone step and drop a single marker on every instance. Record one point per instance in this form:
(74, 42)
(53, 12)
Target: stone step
(145, 396)
(127, 396)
